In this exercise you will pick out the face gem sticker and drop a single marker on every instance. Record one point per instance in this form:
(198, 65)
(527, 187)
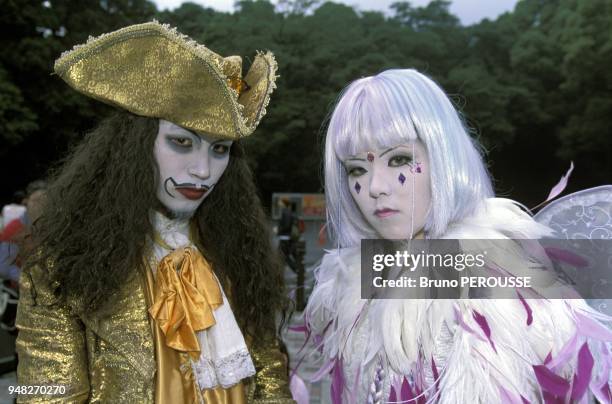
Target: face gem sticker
(357, 187)
(416, 169)
(370, 157)
(401, 178)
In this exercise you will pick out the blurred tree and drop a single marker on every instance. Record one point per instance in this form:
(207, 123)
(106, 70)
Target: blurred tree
(585, 44)
(39, 115)
(17, 121)
(296, 7)
(533, 85)
(560, 60)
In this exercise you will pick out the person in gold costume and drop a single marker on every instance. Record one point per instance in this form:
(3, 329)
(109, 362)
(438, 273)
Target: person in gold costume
(154, 280)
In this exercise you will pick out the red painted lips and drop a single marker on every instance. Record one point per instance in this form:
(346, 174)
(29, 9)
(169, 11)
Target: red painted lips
(192, 193)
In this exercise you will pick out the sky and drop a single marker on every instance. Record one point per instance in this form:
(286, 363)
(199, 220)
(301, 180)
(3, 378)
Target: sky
(468, 11)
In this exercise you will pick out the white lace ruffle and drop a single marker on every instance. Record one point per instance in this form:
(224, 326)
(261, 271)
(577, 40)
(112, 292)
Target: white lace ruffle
(225, 371)
(224, 358)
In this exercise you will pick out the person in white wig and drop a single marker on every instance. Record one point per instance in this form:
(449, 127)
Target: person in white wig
(399, 164)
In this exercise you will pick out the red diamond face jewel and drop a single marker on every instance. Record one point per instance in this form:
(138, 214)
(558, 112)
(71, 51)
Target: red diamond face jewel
(357, 187)
(370, 157)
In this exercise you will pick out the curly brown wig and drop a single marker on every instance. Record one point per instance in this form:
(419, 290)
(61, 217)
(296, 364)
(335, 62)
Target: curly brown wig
(95, 224)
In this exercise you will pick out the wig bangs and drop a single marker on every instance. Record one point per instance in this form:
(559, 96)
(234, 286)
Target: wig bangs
(370, 116)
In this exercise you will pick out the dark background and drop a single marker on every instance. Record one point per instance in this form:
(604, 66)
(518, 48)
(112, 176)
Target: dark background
(535, 85)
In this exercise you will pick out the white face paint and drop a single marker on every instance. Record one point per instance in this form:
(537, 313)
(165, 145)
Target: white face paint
(189, 167)
(392, 188)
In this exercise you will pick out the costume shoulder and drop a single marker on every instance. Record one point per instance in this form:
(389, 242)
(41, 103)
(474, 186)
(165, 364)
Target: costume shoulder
(51, 341)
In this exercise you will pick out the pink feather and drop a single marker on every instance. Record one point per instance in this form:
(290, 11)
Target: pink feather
(325, 369)
(337, 386)
(557, 189)
(548, 358)
(550, 382)
(583, 373)
(406, 392)
(527, 309)
(566, 353)
(484, 325)
(463, 324)
(434, 370)
(603, 394)
(592, 328)
(392, 395)
(298, 389)
(550, 398)
(563, 255)
(507, 397)
(599, 386)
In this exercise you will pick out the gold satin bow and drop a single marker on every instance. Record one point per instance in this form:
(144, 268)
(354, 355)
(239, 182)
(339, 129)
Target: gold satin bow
(186, 293)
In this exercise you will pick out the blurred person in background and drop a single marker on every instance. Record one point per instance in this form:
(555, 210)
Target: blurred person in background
(14, 217)
(15, 246)
(288, 231)
(16, 234)
(12, 238)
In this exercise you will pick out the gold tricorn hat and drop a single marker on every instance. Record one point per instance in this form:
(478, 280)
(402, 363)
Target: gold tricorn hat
(152, 70)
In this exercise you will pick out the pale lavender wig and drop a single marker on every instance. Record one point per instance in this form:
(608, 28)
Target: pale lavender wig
(391, 108)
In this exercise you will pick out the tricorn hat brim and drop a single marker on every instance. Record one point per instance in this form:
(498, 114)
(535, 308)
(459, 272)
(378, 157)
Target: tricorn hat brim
(152, 70)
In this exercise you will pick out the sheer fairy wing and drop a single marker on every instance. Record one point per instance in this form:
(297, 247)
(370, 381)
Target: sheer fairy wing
(585, 214)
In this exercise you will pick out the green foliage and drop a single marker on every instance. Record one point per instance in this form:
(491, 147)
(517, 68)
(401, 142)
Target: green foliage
(534, 83)
(39, 115)
(16, 119)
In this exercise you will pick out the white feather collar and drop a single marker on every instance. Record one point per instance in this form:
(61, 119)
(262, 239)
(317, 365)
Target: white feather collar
(400, 333)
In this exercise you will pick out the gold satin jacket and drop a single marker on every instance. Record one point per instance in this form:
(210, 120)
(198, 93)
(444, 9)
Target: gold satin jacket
(109, 359)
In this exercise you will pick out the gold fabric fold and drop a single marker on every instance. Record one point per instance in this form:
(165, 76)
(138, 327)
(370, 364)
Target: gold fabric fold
(186, 293)
(173, 383)
(233, 395)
